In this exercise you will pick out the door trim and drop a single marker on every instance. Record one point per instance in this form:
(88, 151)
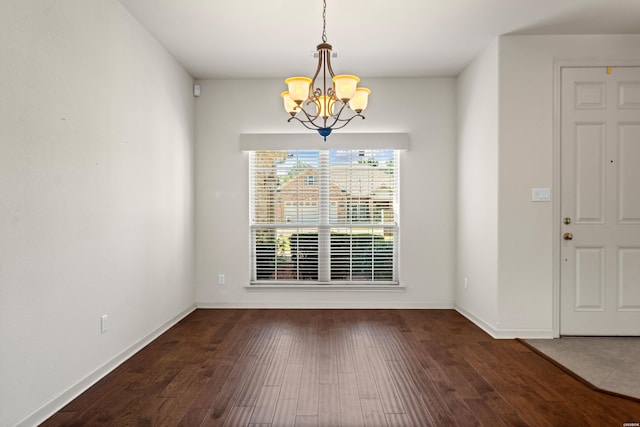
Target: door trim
(558, 65)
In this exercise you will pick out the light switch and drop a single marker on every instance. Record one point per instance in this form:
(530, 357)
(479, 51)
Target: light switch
(540, 194)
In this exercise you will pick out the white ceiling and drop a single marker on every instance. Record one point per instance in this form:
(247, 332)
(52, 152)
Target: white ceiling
(373, 38)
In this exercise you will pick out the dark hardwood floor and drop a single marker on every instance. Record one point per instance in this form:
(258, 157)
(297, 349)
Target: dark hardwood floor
(339, 368)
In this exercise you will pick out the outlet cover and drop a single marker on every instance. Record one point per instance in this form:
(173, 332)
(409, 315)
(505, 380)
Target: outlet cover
(104, 323)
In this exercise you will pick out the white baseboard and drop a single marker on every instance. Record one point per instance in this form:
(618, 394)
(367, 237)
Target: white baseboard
(499, 333)
(58, 402)
(329, 305)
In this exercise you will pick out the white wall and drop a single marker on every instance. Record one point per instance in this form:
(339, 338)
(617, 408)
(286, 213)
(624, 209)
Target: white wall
(477, 244)
(506, 148)
(526, 160)
(425, 108)
(96, 196)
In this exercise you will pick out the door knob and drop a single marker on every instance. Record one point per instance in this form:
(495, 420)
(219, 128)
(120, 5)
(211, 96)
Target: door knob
(567, 236)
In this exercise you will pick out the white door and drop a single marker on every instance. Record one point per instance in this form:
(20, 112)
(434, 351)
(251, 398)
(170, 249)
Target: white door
(600, 201)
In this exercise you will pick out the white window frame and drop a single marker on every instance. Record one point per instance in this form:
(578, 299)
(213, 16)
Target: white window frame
(324, 227)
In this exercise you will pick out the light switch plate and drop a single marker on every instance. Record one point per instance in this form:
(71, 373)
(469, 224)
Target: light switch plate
(540, 194)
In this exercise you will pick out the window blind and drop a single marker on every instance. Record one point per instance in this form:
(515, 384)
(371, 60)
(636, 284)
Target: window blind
(324, 216)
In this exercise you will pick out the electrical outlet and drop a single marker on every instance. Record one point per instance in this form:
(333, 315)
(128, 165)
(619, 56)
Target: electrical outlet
(104, 323)
(466, 283)
(221, 279)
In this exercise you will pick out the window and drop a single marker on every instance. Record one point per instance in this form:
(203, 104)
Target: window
(324, 216)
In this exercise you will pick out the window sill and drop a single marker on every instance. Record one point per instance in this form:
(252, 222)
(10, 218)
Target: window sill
(319, 287)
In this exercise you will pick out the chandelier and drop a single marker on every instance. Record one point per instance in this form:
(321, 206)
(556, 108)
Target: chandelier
(326, 101)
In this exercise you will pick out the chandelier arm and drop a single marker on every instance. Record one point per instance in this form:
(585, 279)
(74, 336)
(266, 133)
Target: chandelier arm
(329, 65)
(335, 117)
(355, 114)
(346, 121)
(315, 96)
(305, 123)
(312, 87)
(310, 117)
(310, 122)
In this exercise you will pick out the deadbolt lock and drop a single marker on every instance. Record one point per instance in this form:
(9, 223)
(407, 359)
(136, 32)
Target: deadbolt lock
(567, 220)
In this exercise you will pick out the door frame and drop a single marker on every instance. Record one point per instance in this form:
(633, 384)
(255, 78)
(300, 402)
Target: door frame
(558, 65)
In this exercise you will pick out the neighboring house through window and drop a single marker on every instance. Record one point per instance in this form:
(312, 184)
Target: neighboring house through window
(324, 216)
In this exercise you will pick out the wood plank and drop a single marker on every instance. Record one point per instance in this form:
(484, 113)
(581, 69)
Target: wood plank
(310, 380)
(252, 387)
(366, 382)
(297, 352)
(372, 413)
(232, 387)
(350, 409)
(328, 360)
(279, 361)
(445, 407)
(344, 352)
(266, 405)
(285, 412)
(193, 417)
(412, 400)
(329, 406)
(398, 420)
(287, 405)
(239, 416)
(207, 395)
(391, 403)
(306, 421)
(291, 382)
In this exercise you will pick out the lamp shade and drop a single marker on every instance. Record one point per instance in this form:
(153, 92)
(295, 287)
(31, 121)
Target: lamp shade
(359, 101)
(290, 105)
(325, 106)
(298, 88)
(345, 86)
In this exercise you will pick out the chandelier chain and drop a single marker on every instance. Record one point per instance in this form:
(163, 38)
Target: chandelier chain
(324, 21)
